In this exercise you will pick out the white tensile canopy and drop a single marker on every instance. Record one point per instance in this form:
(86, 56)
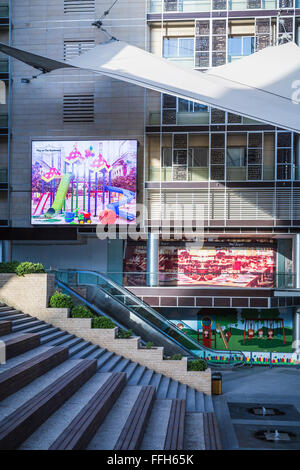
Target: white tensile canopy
(262, 86)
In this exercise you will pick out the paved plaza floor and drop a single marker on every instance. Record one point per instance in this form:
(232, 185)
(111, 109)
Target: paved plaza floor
(259, 408)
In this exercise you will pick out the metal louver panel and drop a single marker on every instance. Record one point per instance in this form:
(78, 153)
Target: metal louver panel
(78, 108)
(79, 6)
(75, 48)
(217, 205)
(283, 204)
(296, 204)
(250, 205)
(177, 205)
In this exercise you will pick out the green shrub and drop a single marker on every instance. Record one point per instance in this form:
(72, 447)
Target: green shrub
(123, 334)
(102, 322)
(176, 357)
(29, 268)
(59, 300)
(80, 311)
(9, 267)
(149, 345)
(197, 364)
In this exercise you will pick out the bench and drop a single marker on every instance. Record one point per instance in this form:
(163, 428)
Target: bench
(5, 328)
(211, 432)
(21, 375)
(175, 430)
(19, 425)
(21, 344)
(83, 427)
(133, 431)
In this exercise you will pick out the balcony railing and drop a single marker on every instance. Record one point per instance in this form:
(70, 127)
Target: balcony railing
(267, 173)
(208, 278)
(189, 6)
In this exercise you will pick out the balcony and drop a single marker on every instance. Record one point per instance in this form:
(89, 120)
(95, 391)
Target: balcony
(194, 6)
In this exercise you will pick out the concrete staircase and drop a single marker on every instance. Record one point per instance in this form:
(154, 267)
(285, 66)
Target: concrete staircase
(119, 410)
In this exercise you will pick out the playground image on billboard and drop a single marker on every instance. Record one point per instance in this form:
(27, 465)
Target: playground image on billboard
(84, 182)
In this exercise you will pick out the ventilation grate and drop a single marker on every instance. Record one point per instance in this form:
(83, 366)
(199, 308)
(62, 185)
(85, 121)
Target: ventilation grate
(75, 48)
(78, 108)
(79, 6)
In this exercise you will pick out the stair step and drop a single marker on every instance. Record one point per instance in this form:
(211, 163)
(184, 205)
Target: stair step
(109, 365)
(108, 433)
(173, 389)
(72, 342)
(51, 334)
(85, 354)
(193, 432)
(190, 399)
(61, 340)
(19, 425)
(156, 379)
(21, 344)
(37, 329)
(162, 390)
(13, 318)
(20, 319)
(79, 347)
(132, 433)
(104, 358)
(136, 376)
(156, 430)
(121, 365)
(5, 328)
(130, 369)
(200, 402)
(30, 324)
(182, 391)
(83, 427)
(9, 312)
(26, 372)
(208, 404)
(49, 431)
(97, 354)
(146, 379)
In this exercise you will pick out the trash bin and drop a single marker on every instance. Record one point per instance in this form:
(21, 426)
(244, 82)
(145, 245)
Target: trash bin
(216, 382)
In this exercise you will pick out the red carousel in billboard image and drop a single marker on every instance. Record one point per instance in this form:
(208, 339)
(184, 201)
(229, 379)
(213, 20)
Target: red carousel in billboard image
(84, 182)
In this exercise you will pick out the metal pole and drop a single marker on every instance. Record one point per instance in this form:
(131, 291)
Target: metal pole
(152, 259)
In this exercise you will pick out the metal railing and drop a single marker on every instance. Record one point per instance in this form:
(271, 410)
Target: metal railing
(188, 6)
(147, 314)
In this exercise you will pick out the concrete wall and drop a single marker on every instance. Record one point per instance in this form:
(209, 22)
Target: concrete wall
(90, 253)
(31, 293)
(41, 26)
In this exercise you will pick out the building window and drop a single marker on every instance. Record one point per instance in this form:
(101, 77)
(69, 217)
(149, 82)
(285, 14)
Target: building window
(185, 106)
(236, 156)
(198, 157)
(178, 47)
(78, 108)
(239, 46)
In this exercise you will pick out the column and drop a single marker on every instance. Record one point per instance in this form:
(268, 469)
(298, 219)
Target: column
(152, 259)
(296, 331)
(297, 261)
(297, 157)
(6, 251)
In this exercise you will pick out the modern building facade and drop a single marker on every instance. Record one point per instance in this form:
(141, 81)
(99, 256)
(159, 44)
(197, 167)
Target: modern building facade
(238, 270)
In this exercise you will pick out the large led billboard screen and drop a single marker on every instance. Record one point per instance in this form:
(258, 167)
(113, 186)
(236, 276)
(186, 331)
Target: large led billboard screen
(84, 182)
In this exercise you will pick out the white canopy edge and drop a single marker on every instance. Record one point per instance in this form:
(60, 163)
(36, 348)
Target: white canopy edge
(258, 87)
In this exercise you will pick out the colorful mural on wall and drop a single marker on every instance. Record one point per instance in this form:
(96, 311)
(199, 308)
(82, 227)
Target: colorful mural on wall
(217, 266)
(242, 329)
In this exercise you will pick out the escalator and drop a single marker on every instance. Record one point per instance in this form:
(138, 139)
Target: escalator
(108, 297)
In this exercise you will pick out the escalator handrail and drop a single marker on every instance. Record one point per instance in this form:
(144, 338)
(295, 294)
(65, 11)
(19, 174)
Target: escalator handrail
(153, 312)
